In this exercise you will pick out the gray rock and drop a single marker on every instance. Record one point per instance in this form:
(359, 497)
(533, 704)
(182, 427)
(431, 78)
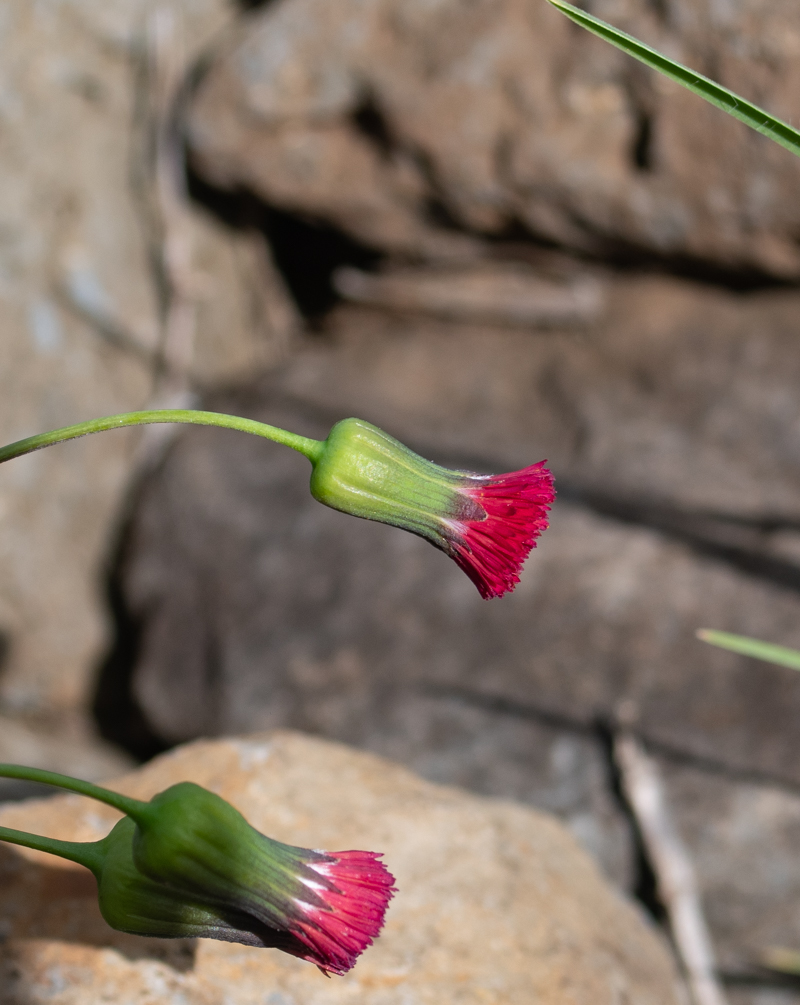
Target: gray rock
(498, 293)
(769, 995)
(743, 839)
(368, 114)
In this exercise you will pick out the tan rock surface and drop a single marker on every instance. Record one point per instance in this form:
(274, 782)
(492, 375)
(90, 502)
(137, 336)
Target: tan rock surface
(500, 112)
(496, 902)
(74, 238)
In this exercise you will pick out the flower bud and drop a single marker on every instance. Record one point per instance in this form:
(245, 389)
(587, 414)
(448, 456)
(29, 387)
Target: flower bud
(132, 902)
(331, 904)
(487, 523)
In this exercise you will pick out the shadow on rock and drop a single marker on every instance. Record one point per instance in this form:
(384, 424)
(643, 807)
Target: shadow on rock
(60, 903)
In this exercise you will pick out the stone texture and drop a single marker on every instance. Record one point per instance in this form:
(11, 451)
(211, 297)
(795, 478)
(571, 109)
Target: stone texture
(74, 243)
(496, 114)
(768, 995)
(742, 838)
(495, 902)
(678, 394)
(748, 882)
(511, 294)
(244, 316)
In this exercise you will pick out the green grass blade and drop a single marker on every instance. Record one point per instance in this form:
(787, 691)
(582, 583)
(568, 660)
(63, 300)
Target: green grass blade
(753, 116)
(784, 961)
(752, 647)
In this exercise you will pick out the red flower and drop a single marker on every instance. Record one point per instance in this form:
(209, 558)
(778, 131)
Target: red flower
(355, 888)
(324, 907)
(491, 541)
(487, 523)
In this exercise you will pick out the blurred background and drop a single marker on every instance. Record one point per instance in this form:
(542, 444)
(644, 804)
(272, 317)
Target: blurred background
(479, 227)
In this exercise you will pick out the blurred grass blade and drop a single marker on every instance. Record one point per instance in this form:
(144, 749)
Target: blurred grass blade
(784, 961)
(752, 647)
(729, 102)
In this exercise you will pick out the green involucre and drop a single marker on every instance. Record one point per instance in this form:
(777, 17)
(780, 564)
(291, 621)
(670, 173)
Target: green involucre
(195, 842)
(132, 902)
(365, 472)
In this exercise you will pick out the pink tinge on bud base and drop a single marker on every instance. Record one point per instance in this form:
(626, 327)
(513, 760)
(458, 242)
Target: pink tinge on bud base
(492, 548)
(356, 888)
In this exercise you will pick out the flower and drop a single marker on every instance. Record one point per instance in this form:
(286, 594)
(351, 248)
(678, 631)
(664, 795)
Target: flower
(324, 907)
(487, 523)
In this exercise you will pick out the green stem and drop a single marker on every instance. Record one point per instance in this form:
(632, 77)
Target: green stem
(307, 447)
(131, 807)
(86, 853)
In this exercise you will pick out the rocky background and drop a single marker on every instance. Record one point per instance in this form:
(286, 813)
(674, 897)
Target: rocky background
(495, 901)
(488, 232)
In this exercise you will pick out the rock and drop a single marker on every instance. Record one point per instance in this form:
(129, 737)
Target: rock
(244, 315)
(742, 838)
(495, 902)
(511, 117)
(75, 251)
(495, 294)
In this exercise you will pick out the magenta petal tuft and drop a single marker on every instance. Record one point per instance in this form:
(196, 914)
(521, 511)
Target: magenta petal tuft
(355, 889)
(492, 549)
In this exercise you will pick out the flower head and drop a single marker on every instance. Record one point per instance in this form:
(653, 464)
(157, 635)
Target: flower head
(487, 523)
(325, 907)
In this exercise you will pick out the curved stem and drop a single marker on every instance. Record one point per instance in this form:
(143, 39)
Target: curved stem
(86, 853)
(307, 447)
(131, 807)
